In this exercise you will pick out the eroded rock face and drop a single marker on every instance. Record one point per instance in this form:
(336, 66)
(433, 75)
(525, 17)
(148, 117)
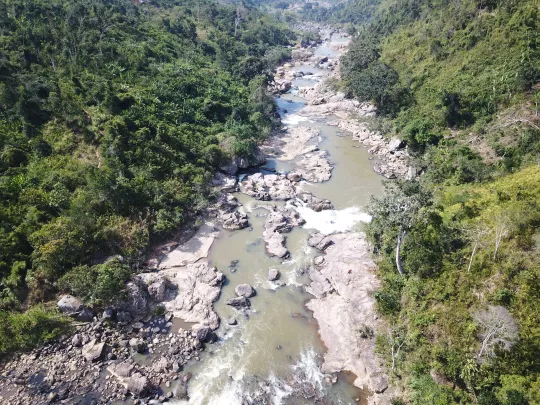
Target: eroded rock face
(242, 162)
(193, 250)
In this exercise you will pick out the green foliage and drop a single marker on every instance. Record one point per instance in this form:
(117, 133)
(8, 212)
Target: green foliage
(113, 118)
(434, 302)
(24, 331)
(101, 284)
(427, 391)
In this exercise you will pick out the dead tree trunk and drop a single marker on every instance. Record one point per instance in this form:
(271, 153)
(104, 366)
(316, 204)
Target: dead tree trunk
(472, 256)
(401, 237)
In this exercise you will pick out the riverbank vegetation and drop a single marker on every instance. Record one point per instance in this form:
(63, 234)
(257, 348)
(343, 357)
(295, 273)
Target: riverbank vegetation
(459, 82)
(113, 118)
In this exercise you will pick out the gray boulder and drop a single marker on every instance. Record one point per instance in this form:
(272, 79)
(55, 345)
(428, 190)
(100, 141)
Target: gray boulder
(239, 302)
(156, 290)
(137, 301)
(108, 313)
(203, 333)
(77, 340)
(86, 315)
(395, 144)
(69, 304)
(244, 290)
(137, 384)
(123, 317)
(379, 382)
(235, 220)
(137, 344)
(293, 176)
(93, 350)
(273, 274)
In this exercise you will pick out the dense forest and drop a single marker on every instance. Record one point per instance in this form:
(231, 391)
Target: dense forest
(114, 115)
(459, 247)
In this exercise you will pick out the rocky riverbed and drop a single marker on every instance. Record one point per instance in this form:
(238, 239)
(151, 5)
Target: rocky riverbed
(136, 352)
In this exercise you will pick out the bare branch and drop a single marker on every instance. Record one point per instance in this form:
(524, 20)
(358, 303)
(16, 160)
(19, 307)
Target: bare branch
(498, 330)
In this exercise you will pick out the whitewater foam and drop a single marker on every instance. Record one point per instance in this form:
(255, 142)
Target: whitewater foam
(332, 221)
(293, 119)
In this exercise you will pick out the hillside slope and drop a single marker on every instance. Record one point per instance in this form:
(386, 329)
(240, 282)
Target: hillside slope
(113, 118)
(459, 82)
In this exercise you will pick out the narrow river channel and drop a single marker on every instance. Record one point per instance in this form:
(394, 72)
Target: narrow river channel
(275, 348)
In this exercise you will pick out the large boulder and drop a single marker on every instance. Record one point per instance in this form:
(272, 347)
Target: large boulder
(157, 289)
(235, 220)
(137, 300)
(137, 384)
(395, 144)
(137, 344)
(93, 350)
(203, 333)
(295, 177)
(275, 245)
(225, 183)
(379, 382)
(77, 340)
(85, 315)
(273, 274)
(69, 304)
(244, 290)
(238, 302)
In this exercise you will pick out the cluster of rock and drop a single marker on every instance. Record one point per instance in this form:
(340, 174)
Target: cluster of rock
(97, 363)
(322, 100)
(343, 282)
(300, 143)
(187, 292)
(227, 210)
(392, 157)
(280, 220)
(269, 187)
(243, 293)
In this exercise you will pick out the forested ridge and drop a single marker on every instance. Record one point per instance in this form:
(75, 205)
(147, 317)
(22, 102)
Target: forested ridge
(459, 246)
(114, 115)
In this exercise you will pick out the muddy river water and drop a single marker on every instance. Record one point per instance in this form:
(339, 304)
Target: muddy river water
(274, 351)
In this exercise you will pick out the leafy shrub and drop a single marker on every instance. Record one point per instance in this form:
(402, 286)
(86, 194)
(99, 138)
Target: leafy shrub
(23, 331)
(101, 284)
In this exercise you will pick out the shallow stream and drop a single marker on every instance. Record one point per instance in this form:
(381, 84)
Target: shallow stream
(274, 349)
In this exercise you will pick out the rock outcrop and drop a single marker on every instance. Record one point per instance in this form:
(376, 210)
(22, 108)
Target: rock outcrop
(268, 187)
(195, 287)
(343, 288)
(279, 220)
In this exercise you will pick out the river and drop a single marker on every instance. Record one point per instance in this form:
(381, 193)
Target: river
(274, 352)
